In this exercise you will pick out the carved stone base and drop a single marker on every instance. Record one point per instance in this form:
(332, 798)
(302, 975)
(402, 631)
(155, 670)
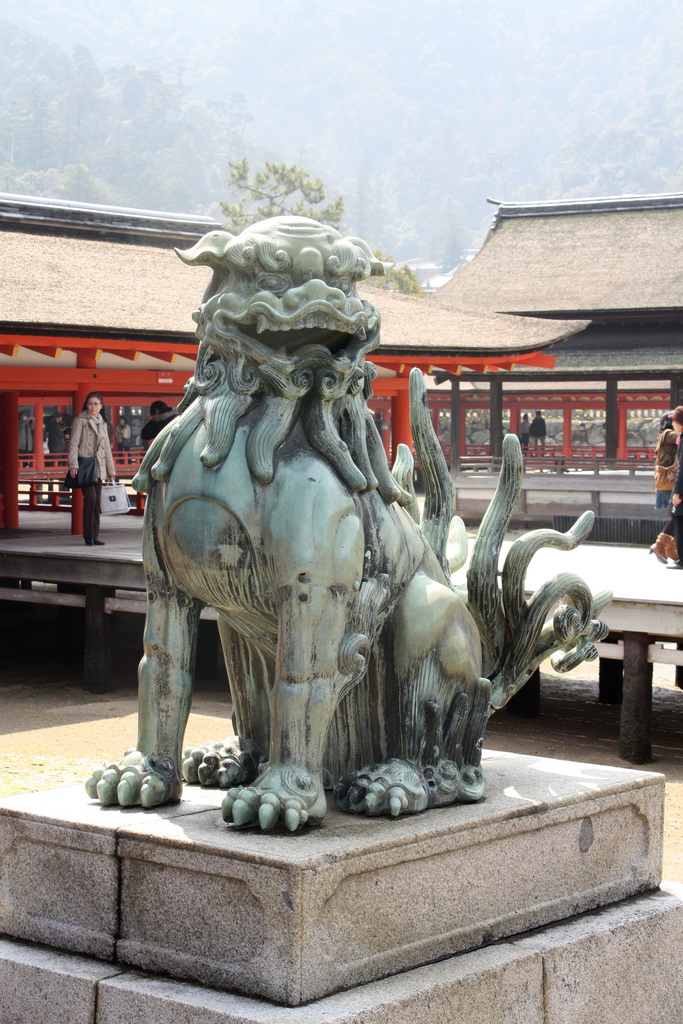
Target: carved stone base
(613, 965)
(294, 918)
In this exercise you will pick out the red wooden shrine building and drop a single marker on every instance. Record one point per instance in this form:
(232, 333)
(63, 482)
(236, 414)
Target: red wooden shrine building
(94, 298)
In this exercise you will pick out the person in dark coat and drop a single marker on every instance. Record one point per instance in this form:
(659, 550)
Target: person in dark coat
(160, 415)
(524, 432)
(56, 438)
(537, 430)
(677, 496)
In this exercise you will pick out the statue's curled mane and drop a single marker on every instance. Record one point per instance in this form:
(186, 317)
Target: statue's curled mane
(327, 392)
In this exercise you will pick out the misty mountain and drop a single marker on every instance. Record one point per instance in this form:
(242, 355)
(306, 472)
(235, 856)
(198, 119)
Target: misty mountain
(415, 111)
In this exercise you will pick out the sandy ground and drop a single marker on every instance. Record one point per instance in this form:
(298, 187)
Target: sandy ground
(52, 732)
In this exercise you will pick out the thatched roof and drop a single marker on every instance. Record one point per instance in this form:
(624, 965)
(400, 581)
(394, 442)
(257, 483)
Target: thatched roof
(85, 268)
(577, 258)
(415, 326)
(60, 281)
(83, 283)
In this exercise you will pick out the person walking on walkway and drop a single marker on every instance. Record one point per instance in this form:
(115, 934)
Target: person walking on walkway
(666, 458)
(524, 432)
(90, 437)
(537, 431)
(677, 496)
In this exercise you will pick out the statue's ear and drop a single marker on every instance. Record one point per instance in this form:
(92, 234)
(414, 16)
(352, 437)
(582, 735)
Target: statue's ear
(377, 267)
(208, 251)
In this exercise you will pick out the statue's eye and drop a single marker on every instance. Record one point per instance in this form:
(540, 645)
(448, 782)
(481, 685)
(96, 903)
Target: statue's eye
(272, 283)
(343, 284)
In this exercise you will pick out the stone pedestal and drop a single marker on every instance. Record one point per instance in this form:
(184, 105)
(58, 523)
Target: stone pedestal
(392, 916)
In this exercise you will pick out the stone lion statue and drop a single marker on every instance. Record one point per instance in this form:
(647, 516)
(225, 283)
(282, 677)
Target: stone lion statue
(353, 661)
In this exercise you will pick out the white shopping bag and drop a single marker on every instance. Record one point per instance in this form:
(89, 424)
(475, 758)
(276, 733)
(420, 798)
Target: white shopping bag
(114, 500)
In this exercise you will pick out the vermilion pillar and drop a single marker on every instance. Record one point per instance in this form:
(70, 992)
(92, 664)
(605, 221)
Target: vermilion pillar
(400, 421)
(514, 419)
(38, 458)
(9, 457)
(566, 428)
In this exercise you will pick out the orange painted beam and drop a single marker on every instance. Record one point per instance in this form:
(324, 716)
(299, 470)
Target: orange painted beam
(39, 379)
(433, 363)
(389, 385)
(159, 349)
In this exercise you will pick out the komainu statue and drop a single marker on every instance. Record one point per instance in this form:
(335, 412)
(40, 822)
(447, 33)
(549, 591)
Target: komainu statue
(353, 660)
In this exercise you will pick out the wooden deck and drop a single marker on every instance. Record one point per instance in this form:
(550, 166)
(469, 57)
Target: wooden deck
(647, 609)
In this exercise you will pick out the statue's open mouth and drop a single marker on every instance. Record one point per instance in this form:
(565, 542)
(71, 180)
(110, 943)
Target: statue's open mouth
(316, 324)
(294, 339)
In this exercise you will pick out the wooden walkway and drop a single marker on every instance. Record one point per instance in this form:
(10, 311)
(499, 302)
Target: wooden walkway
(647, 609)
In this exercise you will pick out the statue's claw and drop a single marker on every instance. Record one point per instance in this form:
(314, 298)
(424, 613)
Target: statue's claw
(136, 779)
(393, 788)
(272, 799)
(192, 758)
(224, 763)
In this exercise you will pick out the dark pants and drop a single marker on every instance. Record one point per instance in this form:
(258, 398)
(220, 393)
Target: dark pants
(678, 535)
(91, 509)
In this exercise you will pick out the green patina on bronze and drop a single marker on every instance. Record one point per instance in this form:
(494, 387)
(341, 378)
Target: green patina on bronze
(352, 658)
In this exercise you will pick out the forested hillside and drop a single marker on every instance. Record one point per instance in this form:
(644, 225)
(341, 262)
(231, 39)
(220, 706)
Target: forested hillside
(414, 111)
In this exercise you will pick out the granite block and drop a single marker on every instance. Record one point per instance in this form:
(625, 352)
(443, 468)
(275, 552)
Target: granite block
(38, 985)
(497, 985)
(59, 870)
(302, 916)
(618, 964)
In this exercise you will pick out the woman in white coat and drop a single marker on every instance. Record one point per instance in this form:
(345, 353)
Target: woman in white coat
(89, 437)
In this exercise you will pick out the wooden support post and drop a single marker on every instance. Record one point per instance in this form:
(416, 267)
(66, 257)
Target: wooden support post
(400, 422)
(9, 457)
(636, 710)
(208, 644)
(622, 436)
(463, 429)
(97, 651)
(679, 668)
(675, 396)
(526, 703)
(567, 428)
(610, 678)
(455, 426)
(70, 638)
(611, 420)
(496, 419)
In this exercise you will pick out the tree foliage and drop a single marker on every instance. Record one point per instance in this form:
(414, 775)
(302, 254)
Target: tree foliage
(397, 279)
(271, 193)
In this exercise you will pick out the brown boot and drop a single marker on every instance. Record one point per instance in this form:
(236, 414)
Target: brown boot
(669, 546)
(659, 547)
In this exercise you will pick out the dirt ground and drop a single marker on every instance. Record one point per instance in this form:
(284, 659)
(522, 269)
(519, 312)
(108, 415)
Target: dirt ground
(52, 732)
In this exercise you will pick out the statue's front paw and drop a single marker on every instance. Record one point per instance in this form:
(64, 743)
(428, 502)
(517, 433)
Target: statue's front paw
(292, 794)
(224, 763)
(394, 787)
(136, 779)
